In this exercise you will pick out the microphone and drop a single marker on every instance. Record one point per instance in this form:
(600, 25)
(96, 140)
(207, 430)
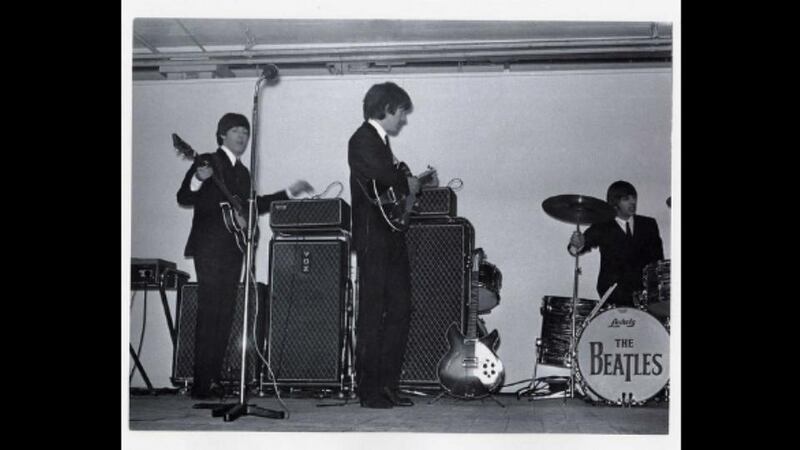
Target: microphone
(270, 72)
(669, 202)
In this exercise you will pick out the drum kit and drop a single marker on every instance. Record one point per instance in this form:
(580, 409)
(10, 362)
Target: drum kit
(616, 355)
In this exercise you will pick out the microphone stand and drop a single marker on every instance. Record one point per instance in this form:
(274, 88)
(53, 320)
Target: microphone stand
(233, 411)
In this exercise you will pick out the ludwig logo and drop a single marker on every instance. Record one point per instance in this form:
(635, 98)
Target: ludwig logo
(616, 323)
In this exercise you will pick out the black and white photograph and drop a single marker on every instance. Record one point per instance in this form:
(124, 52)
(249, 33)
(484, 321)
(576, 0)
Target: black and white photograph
(428, 224)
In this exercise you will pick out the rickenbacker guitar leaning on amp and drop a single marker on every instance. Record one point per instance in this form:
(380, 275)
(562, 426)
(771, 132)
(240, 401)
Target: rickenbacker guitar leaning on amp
(470, 368)
(397, 208)
(234, 213)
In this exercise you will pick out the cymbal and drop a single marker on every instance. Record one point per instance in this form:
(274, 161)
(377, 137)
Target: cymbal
(578, 209)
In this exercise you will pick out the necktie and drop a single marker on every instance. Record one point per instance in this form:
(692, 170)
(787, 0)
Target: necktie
(628, 230)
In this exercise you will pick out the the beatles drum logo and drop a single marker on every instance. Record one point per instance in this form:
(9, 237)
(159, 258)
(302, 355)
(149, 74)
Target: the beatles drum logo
(623, 355)
(624, 360)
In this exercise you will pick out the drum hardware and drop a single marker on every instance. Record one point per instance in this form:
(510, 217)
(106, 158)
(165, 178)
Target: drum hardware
(578, 210)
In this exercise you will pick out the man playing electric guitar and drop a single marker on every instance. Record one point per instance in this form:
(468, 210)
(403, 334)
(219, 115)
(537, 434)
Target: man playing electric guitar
(217, 257)
(384, 307)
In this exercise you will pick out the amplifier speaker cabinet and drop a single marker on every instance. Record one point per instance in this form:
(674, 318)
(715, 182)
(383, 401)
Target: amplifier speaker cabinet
(436, 202)
(309, 215)
(183, 358)
(439, 251)
(309, 283)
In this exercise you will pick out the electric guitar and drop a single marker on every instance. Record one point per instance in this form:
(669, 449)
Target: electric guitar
(234, 213)
(470, 368)
(397, 208)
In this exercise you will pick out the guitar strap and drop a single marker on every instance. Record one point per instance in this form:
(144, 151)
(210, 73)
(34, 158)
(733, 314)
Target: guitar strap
(218, 172)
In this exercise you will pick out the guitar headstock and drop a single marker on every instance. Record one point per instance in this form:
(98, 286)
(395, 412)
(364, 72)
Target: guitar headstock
(182, 147)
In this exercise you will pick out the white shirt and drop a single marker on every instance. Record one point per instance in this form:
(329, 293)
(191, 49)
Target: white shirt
(621, 223)
(382, 134)
(379, 128)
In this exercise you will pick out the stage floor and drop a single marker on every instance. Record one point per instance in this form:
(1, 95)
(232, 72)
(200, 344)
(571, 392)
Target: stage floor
(176, 412)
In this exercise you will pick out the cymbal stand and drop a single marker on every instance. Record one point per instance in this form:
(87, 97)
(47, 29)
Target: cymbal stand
(573, 337)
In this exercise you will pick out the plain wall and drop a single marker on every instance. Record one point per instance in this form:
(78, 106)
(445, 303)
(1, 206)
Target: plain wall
(515, 139)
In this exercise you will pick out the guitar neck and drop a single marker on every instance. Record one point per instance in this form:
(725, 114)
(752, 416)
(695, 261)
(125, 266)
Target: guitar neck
(472, 308)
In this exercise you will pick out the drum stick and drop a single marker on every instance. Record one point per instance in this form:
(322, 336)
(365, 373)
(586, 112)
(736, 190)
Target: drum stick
(602, 300)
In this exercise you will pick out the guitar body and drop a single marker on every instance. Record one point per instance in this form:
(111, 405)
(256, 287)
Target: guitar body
(236, 224)
(397, 208)
(234, 214)
(470, 369)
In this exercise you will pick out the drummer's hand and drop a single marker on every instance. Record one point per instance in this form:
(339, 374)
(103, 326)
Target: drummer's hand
(577, 241)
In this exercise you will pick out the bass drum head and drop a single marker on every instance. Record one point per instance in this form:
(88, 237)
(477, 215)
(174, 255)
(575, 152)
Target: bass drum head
(623, 356)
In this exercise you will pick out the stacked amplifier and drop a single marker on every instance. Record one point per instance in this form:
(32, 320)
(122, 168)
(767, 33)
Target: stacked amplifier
(313, 291)
(309, 342)
(439, 245)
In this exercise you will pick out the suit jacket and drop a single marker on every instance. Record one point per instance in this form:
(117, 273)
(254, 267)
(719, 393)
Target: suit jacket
(208, 226)
(370, 158)
(621, 259)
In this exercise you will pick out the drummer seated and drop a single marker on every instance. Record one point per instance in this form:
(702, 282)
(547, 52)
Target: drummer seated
(627, 244)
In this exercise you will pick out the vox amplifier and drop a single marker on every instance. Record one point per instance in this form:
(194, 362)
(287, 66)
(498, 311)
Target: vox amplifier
(436, 202)
(309, 214)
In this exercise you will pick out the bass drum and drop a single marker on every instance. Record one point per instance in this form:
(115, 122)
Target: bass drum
(623, 356)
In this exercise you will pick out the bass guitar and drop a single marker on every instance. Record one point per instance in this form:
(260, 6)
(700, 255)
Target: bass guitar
(234, 213)
(470, 368)
(396, 209)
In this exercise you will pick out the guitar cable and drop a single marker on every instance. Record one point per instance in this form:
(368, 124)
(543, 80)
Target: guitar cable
(456, 184)
(322, 194)
(258, 352)
(261, 356)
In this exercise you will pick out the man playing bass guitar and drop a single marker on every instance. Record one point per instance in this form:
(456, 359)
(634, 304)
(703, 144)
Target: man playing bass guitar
(217, 255)
(384, 307)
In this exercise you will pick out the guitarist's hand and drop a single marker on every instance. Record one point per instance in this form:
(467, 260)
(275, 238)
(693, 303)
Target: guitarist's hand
(300, 187)
(413, 185)
(204, 172)
(433, 181)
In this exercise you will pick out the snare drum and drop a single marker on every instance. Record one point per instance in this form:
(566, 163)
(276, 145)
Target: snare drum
(623, 356)
(490, 280)
(553, 345)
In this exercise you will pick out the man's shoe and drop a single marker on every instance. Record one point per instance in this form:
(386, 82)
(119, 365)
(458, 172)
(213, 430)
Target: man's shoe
(217, 390)
(376, 402)
(395, 399)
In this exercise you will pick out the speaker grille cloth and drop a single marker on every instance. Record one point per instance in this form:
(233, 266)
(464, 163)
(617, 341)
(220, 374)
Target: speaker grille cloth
(307, 294)
(310, 213)
(437, 201)
(231, 366)
(438, 292)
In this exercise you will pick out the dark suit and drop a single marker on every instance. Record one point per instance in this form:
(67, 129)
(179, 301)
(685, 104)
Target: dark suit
(384, 308)
(622, 259)
(217, 260)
